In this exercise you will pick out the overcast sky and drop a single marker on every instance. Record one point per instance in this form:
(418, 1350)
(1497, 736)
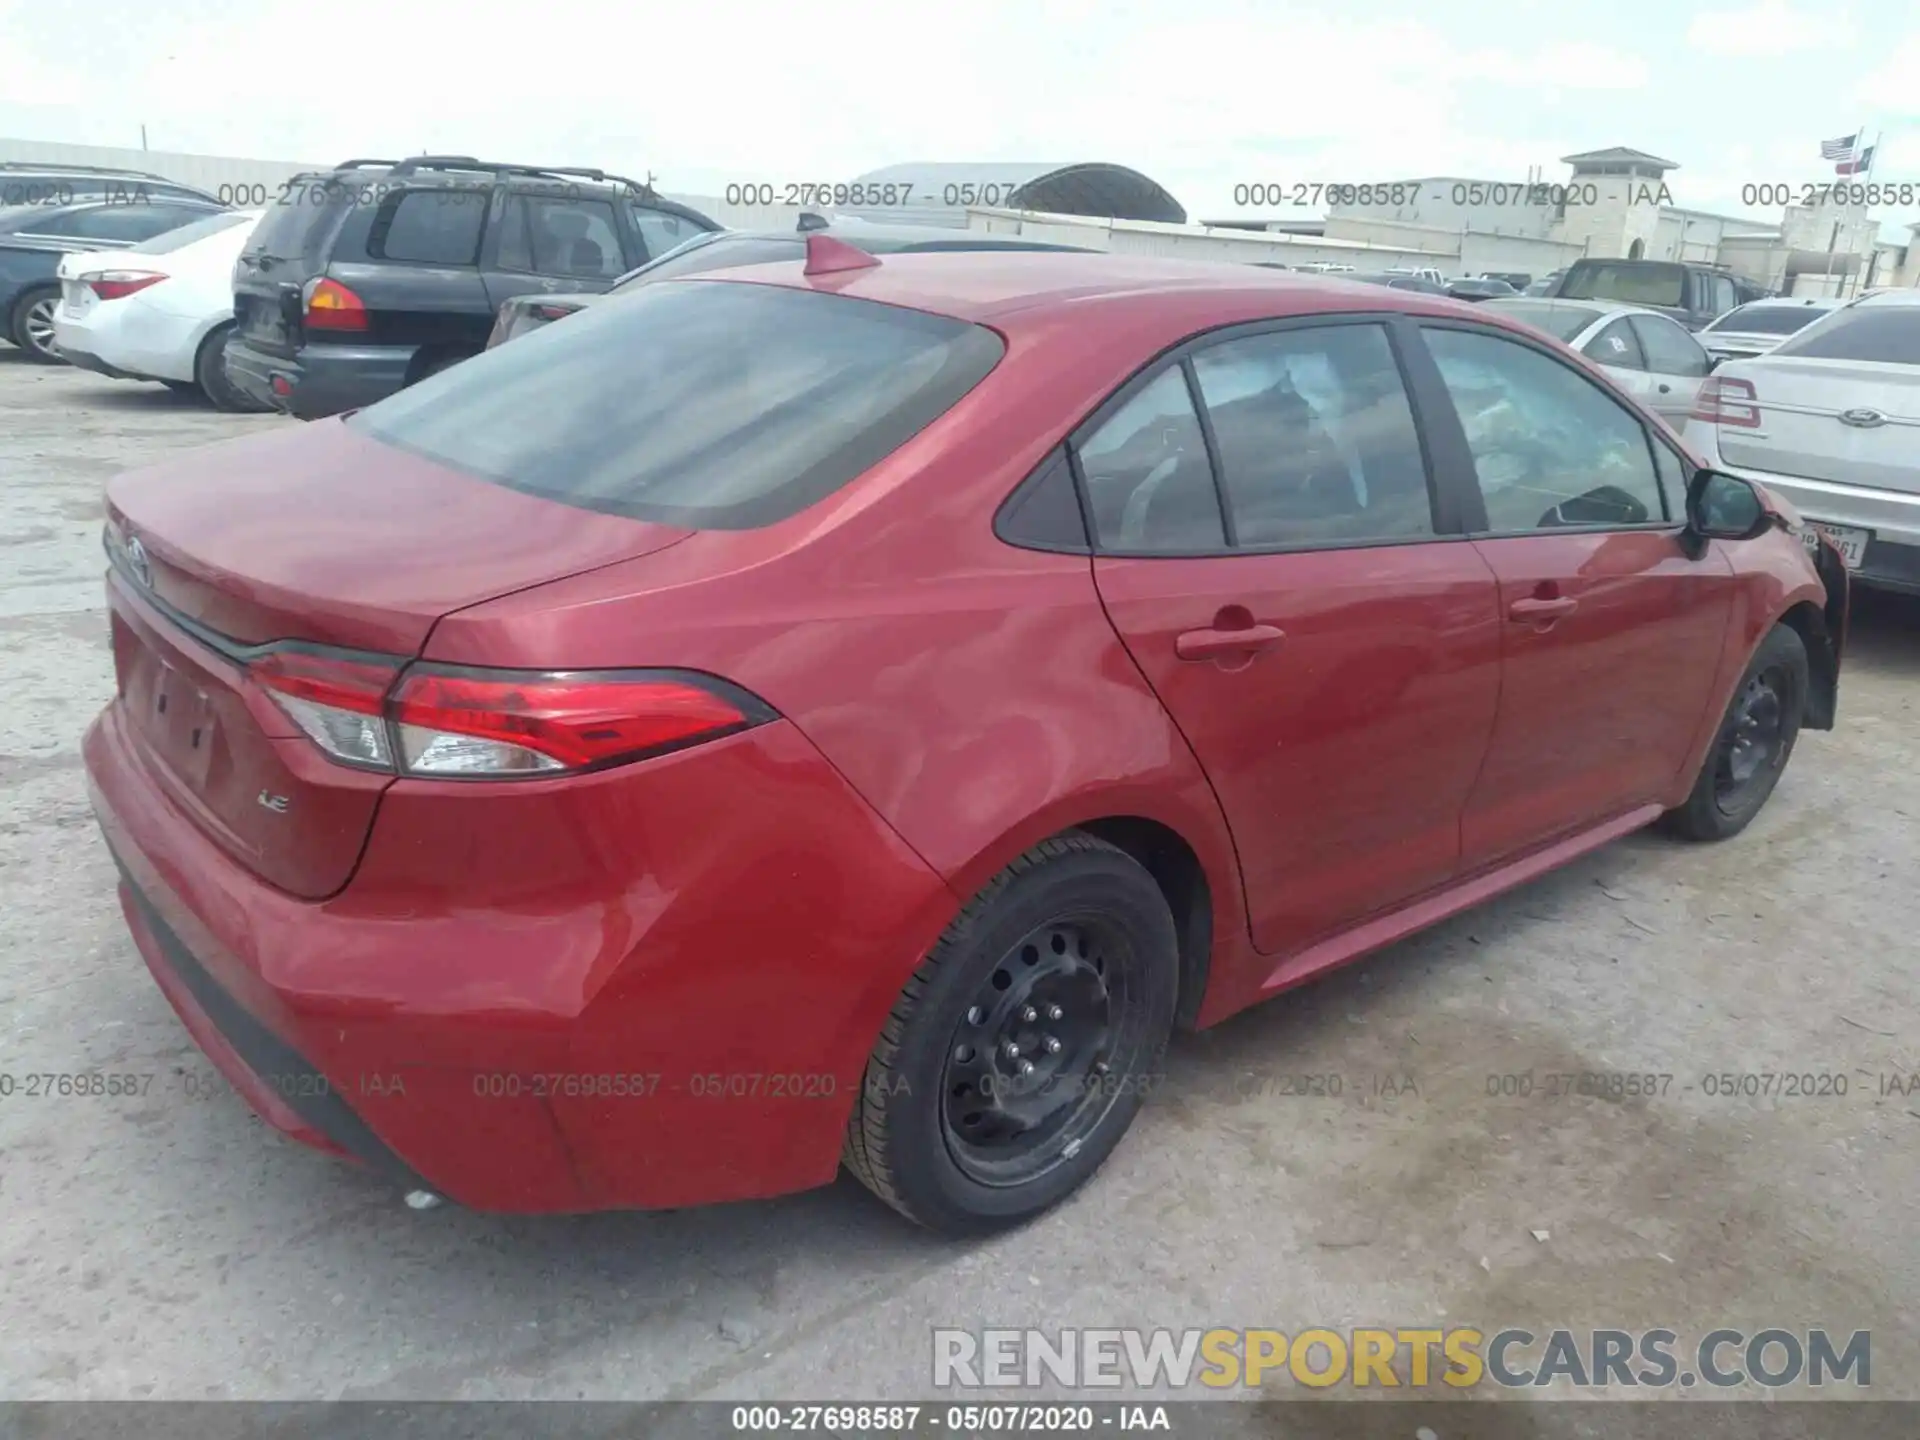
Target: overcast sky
(1199, 94)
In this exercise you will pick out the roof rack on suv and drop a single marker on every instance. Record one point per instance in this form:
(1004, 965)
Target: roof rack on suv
(415, 163)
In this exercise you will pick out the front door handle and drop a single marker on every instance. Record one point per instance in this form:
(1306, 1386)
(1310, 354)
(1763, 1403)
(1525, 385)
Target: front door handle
(1210, 644)
(1536, 610)
(1665, 389)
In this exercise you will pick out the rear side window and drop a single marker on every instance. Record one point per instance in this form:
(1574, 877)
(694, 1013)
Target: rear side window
(1616, 345)
(186, 235)
(1767, 319)
(552, 236)
(122, 222)
(700, 404)
(1889, 334)
(661, 231)
(431, 227)
(1316, 437)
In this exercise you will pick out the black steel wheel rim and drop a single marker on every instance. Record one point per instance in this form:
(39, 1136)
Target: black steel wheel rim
(1042, 1051)
(1755, 741)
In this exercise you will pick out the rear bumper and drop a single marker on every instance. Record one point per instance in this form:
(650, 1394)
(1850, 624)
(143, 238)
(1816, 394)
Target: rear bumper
(575, 998)
(84, 360)
(319, 380)
(1892, 558)
(129, 339)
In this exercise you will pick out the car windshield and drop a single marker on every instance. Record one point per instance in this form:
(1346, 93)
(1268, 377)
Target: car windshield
(1887, 334)
(707, 404)
(1560, 321)
(1767, 319)
(1629, 283)
(176, 239)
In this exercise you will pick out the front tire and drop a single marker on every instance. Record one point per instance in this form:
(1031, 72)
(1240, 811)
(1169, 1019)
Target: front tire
(1021, 1048)
(211, 378)
(1753, 744)
(30, 325)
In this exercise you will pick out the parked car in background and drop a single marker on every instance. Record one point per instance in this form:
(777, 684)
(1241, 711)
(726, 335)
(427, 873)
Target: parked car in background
(1483, 287)
(159, 310)
(1648, 355)
(26, 182)
(1693, 294)
(1544, 285)
(1327, 267)
(371, 276)
(1394, 280)
(34, 238)
(1760, 325)
(726, 249)
(1418, 272)
(850, 713)
(1830, 419)
(1519, 280)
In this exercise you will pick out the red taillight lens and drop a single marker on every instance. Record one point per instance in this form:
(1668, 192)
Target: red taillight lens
(554, 312)
(118, 284)
(336, 700)
(473, 722)
(453, 721)
(329, 305)
(1726, 400)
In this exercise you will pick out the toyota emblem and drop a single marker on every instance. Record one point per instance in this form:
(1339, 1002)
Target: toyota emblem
(1862, 418)
(137, 562)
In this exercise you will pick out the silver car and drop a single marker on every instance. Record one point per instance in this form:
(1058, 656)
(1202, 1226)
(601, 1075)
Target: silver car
(1655, 359)
(1830, 419)
(1760, 325)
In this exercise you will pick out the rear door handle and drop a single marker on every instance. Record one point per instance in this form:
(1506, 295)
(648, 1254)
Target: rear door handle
(1535, 609)
(1208, 644)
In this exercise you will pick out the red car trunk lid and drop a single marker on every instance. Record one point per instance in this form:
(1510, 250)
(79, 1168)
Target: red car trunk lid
(310, 534)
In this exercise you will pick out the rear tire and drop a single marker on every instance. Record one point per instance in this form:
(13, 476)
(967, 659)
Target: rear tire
(1070, 956)
(1751, 748)
(211, 378)
(30, 324)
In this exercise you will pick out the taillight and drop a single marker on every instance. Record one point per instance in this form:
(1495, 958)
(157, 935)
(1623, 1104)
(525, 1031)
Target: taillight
(554, 312)
(1726, 400)
(329, 305)
(452, 721)
(118, 284)
(338, 701)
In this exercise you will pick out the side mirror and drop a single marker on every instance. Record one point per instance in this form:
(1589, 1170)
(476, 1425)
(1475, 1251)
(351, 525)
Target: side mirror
(1725, 507)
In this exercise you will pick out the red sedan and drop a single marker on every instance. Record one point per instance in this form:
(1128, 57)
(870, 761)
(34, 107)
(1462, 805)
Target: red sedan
(851, 714)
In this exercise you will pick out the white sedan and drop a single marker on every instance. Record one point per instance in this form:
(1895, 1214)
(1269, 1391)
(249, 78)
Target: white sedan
(160, 310)
(1831, 421)
(1651, 357)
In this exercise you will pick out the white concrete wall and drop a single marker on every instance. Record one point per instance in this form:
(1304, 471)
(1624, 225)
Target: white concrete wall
(1455, 203)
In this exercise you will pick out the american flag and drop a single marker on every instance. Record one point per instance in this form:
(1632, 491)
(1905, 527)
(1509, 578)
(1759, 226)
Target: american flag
(1841, 149)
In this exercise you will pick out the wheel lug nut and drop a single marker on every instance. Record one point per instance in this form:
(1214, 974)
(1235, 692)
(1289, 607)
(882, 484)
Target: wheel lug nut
(1029, 1014)
(1054, 1012)
(1052, 1045)
(1026, 1067)
(1010, 1050)
(975, 1015)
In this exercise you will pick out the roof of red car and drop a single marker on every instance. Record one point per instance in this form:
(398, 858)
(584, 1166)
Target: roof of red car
(995, 288)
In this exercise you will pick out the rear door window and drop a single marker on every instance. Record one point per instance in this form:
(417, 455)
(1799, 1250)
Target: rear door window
(123, 222)
(703, 404)
(1316, 438)
(577, 238)
(1149, 482)
(1669, 349)
(1616, 346)
(430, 226)
(660, 230)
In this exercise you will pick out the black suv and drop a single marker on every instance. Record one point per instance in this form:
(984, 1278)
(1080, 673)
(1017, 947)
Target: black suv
(1691, 293)
(361, 280)
(727, 249)
(31, 182)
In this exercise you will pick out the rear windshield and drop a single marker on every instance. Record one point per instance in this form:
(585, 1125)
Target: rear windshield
(722, 253)
(185, 235)
(1889, 334)
(1767, 319)
(1631, 284)
(705, 404)
(1563, 324)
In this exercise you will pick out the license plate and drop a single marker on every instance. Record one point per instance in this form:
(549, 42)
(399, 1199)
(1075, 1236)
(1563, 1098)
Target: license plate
(1851, 543)
(78, 298)
(183, 718)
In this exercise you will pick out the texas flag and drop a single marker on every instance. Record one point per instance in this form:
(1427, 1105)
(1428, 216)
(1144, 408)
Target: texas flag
(1859, 163)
